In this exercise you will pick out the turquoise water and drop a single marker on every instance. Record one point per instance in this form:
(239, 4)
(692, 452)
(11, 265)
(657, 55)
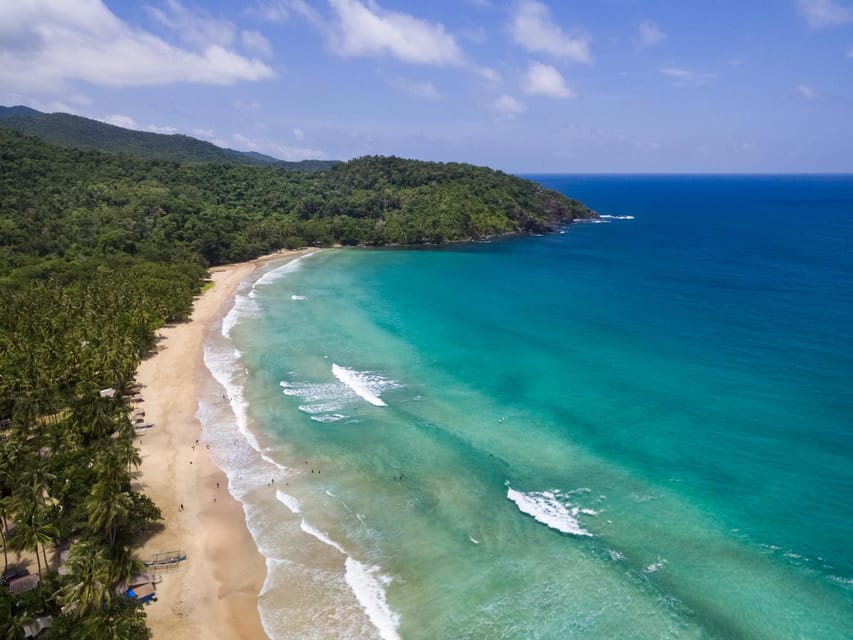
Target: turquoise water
(634, 429)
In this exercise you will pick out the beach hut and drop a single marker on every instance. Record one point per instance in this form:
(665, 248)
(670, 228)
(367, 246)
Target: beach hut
(107, 393)
(33, 629)
(23, 584)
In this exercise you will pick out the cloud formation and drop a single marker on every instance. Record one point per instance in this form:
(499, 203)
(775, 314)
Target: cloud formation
(45, 44)
(507, 108)
(422, 90)
(197, 28)
(283, 152)
(126, 122)
(688, 77)
(649, 34)
(825, 13)
(255, 41)
(533, 29)
(545, 80)
(810, 94)
(368, 30)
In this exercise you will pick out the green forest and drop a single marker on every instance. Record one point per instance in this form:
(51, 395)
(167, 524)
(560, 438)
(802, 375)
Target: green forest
(97, 251)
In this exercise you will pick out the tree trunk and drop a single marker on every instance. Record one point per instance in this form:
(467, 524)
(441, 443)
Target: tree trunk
(5, 551)
(44, 554)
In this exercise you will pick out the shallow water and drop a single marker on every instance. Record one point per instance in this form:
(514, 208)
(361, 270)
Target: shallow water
(633, 429)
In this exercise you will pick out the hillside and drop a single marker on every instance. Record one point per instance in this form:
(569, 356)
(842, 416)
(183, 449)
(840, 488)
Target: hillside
(67, 203)
(83, 133)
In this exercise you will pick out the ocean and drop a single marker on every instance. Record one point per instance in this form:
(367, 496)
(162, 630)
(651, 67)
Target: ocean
(638, 427)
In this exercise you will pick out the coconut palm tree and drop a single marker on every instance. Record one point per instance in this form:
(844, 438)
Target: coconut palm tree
(4, 524)
(107, 509)
(88, 586)
(13, 622)
(29, 536)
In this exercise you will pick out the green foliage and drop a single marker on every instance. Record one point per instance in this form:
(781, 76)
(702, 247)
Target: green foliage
(122, 619)
(79, 208)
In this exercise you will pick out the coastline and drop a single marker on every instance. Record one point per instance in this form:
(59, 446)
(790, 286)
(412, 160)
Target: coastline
(214, 592)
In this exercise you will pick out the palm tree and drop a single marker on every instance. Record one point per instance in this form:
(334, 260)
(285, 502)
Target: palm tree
(13, 622)
(29, 535)
(4, 524)
(107, 509)
(89, 584)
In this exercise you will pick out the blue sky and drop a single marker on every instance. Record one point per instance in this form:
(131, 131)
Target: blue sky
(524, 85)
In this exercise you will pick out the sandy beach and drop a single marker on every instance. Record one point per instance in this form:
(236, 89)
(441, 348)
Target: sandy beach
(214, 592)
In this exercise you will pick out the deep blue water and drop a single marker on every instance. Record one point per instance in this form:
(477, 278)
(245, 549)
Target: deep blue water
(639, 428)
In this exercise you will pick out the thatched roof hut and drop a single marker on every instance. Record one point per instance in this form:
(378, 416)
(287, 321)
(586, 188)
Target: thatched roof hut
(23, 584)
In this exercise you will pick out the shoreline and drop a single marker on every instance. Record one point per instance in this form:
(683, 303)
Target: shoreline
(214, 592)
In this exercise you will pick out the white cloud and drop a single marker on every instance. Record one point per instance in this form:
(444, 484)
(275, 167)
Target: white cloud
(283, 152)
(806, 92)
(649, 34)
(281, 10)
(298, 134)
(271, 10)
(810, 94)
(197, 28)
(506, 107)
(368, 30)
(126, 122)
(44, 44)
(825, 13)
(119, 120)
(153, 128)
(423, 90)
(246, 105)
(533, 28)
(545, 80)
(688, 77)
(255, 41)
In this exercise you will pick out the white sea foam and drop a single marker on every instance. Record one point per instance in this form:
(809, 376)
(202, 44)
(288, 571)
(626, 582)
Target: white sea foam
(296, 297)
(359, 382)
(321, 536)
(615, 555)
(244, 306)
(546, 507)
(612, 217)
(288, 501)
(279, 272)
(368, 585)
(655, 566)
(225, 368)
(473, 540)
(328, 417)
(325, 401)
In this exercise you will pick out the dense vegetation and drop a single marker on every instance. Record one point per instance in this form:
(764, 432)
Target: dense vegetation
(97, 251)
(83, 133)
(65, 202)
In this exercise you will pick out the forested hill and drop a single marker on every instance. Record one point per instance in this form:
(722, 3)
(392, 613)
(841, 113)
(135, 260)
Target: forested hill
(69, 130)
(62, 202)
